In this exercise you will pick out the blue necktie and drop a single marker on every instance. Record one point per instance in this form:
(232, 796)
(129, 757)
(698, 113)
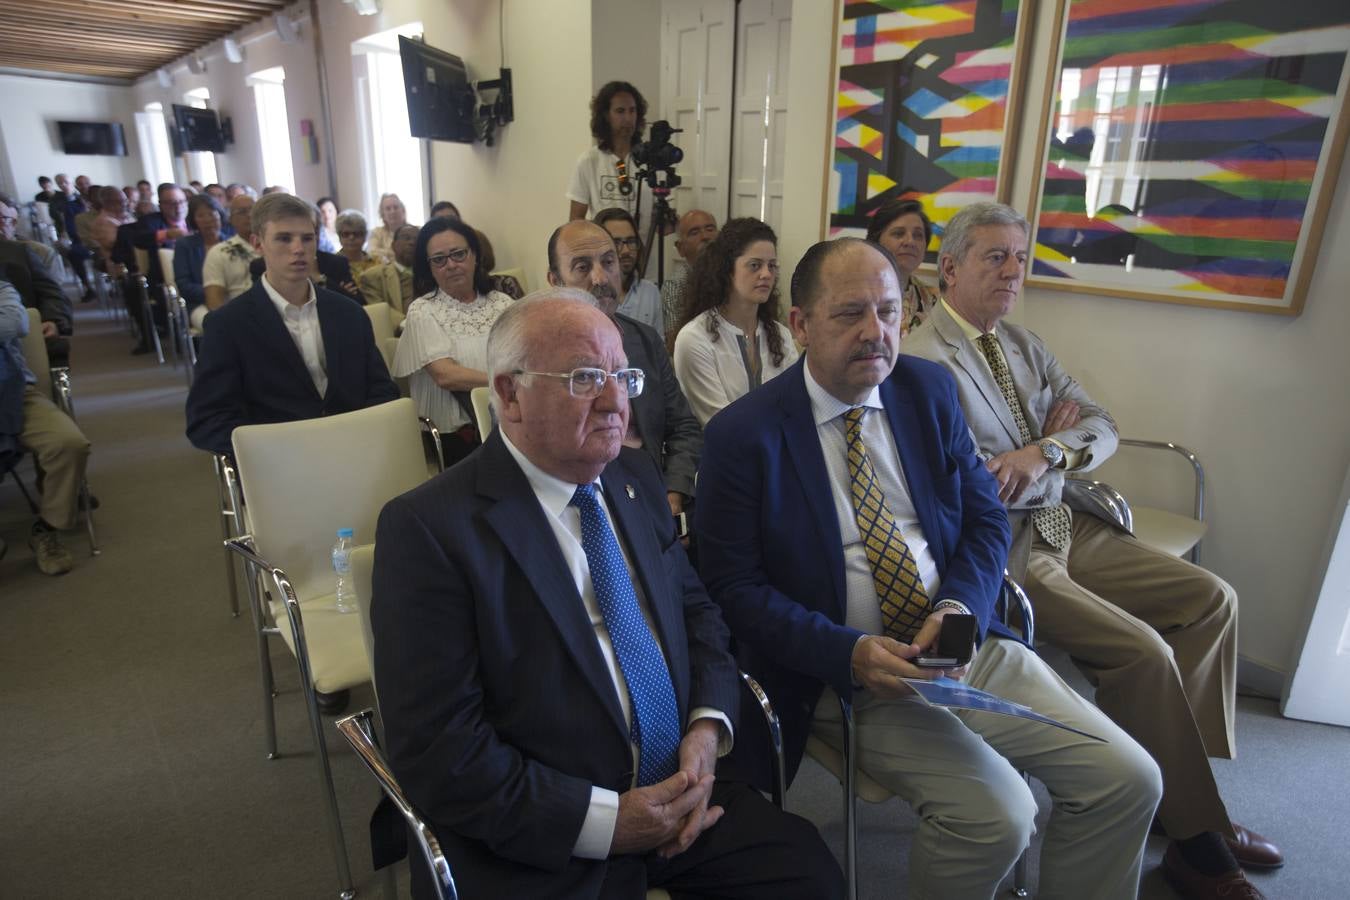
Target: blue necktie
(656, 716)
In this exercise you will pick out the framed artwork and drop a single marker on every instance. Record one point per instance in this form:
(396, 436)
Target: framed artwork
(1191, 149)
(925, 106)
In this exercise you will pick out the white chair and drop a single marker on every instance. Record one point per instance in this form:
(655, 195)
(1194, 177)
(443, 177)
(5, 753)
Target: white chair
(518, 274)
(304, 480)
(382, 321)
(481, 398)
(166, 266)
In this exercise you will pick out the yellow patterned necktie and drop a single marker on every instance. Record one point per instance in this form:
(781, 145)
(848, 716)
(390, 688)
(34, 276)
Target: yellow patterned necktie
(904, 602)
(1051, 521)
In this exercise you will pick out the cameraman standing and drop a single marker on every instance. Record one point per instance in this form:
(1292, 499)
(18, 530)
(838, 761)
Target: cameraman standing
(606, 175)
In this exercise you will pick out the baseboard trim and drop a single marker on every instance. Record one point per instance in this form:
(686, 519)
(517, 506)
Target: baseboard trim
(1260, 679)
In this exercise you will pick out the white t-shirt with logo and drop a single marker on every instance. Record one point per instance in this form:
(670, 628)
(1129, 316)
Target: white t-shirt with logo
(596, 183)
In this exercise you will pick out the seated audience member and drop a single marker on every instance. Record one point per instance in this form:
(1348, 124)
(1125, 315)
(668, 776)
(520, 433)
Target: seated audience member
(207, 221)
(731, 341)
(553, 778)
(114, 212)
(393, 215)
(445, 208)
(217, 193)
(144, 191)
(351, 230)
(84, 222)
(392, 283)
(582, 255)
(196, 186)
(641, 298)
(44, 194)
(275, 189)
(144, 208)
(25, 271)
(225, 268)
(904, 230)
(506, 284)
(328, 270)
(283, 350)
(842, 514)
(328, 213)
(160, 230)
(1155, 634)
(65, 205)
(31, 421)
(694, 230)
(235, 189)
(443, 349)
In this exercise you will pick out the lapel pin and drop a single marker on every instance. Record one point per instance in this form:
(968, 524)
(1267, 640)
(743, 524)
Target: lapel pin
(628, 489)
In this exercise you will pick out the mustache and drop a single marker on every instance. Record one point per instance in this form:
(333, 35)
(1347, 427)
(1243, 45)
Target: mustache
(603, 292)
(872, 349)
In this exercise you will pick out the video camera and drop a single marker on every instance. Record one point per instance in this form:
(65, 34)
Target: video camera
(658, 154)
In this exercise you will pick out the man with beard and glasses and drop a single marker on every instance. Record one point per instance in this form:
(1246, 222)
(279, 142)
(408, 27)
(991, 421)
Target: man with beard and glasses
(641, 298)
(582, 255)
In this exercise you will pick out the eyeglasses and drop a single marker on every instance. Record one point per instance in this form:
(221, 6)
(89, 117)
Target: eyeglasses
(588, 383)
(631, 243)
(440, 259)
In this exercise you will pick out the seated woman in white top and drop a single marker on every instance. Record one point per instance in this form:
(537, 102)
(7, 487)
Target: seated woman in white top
(443, 350)
(731, 341)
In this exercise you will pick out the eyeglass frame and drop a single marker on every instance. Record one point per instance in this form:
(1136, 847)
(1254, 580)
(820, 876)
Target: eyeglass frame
(570, 376)
(441, 260)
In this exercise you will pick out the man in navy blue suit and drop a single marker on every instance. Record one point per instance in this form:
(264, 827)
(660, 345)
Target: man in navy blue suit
(844, 514)
(283, 350)
(554, 681)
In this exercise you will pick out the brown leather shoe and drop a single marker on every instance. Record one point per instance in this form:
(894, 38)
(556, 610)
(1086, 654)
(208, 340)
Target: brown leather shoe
(1195, 885)
(1254, 851)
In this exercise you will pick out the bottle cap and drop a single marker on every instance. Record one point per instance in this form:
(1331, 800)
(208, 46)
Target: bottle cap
(345, 532)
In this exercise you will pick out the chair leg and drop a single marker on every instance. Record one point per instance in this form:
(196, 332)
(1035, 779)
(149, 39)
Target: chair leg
(264, 659)
(151, 331)
(23, 489)
(850, 801)
(1019, 888)
(326, 781)
(226, 532)
(87, 497)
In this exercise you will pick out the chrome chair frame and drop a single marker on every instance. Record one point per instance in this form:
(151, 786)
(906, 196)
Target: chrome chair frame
(142, 287)
(429, 427)
(258, 569)
(1011, 592)
(232, 522)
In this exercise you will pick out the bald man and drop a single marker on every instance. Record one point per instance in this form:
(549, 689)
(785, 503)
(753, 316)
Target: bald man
(693, 232)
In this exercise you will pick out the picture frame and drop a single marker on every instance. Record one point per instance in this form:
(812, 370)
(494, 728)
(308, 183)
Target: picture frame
(1205, 137)
(927, 104)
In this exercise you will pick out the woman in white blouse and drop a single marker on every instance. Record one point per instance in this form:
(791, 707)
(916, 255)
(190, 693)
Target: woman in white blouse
(443, 350)
(731, 341)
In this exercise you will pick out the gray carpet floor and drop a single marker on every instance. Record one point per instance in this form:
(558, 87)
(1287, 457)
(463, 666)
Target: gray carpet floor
(132, 739)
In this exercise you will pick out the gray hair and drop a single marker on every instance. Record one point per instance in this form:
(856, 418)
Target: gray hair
(956, 237)
(274, 207)
(349, 218)
(508, 350)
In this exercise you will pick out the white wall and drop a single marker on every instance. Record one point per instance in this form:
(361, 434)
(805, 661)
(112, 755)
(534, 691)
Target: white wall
(32, 144)
(1261, 399)
(626, 46)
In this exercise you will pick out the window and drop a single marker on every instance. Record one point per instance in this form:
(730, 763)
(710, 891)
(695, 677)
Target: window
(201, 164)
(393, 162)
(269, 96)
(153, 134)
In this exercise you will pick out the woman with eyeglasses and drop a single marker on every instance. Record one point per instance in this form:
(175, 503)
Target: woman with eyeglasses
(731, 341)
(904, 230)
(351, 232)
(443, 350)
(206, 221)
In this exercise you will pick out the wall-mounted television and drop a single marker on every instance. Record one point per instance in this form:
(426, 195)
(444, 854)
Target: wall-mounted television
(92, 138)
(440, 100)
(198, 129)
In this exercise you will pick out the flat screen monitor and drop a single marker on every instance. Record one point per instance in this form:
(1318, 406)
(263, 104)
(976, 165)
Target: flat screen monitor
(440, 101)
(198, 129)
(92, 138)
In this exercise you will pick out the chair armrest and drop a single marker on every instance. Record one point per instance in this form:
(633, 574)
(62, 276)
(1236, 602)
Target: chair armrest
(1012, 593)
(62, 395)
(775, 738)
(1196, 468)
(429, 427)
(359, 733)
(1102, 497)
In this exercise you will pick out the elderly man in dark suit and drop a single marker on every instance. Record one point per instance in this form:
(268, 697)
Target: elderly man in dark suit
(283, 350)
(842, 515)
(1155, 634)
(582, 255)
(554, 682)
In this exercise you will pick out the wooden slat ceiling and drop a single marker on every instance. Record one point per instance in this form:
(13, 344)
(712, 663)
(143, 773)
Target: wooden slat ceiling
(117, 38)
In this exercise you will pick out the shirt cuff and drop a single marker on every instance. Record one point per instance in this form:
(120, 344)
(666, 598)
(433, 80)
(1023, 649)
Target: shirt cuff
(725, 735)
(1073, 457)
(597, 830)
(949, 603)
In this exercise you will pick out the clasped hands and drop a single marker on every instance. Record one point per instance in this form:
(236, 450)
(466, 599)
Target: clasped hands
(879, 662)
(669, 816)
(1017, 470)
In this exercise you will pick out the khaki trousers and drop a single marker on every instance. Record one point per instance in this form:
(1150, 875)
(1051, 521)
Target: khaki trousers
(61, 450)
(1157, 636)
(960, 774)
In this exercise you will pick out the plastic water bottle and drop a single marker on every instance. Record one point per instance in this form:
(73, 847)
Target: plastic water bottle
(342, 567)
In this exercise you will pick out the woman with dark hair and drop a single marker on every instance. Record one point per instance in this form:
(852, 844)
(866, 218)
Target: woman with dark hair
(731, 341)
(904, 230)
(328, 236)
(605, 175)
(443, 350)
(206, 221)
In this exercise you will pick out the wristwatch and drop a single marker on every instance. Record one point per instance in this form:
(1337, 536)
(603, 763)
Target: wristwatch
(1053, 453)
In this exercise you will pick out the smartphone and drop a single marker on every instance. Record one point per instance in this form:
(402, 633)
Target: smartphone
(681, 526)
(955, 643)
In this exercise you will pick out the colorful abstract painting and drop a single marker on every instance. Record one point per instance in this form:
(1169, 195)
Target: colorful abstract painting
(1188, 140)
(921, 106)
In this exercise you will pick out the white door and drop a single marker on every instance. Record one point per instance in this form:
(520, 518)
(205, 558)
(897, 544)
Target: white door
(764, 32)
(1319, 690)
(697, 38)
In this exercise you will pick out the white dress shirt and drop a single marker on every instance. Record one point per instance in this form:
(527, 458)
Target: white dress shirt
(303, 324)
(712, 373)
(863, 607)
(555, 496)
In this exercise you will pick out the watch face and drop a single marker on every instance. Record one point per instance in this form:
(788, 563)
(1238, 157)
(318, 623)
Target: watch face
(1052, 452)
